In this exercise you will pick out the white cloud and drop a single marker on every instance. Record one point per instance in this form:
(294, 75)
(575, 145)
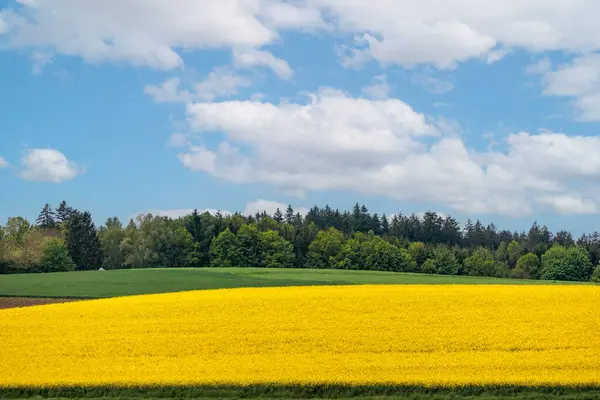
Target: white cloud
(3, 163)
(431, 83)
(569, 205)
(48, 165)
(285, 15)
(249, 57)
(221, 82)
(384, 147)
(138, 32)
(168, 92)
(199, 159)
(579, 80)
(380, 89)
(270, 207)
(444, 33)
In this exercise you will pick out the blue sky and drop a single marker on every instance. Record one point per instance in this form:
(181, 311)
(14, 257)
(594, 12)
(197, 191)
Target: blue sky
(136, 106)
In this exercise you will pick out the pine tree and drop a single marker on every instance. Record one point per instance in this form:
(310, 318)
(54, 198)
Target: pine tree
(278, 216)
(385, 225)
(46, 218)
(194, 226)
(63, 212)
(375, 224)
(82, 241)
(289, 215)
(202, 232)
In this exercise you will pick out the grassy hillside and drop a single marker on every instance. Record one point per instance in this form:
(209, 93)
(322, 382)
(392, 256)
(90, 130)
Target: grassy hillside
(94, 284)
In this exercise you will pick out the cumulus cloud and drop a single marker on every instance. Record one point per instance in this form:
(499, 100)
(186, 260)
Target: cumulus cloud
(222, 82)
(280, 14)
(384, 147)
(249, 57)
(168, 92)
(138, 32)
(580, 81)
(152, 32)
(48, 165)
(570, 204)
(380, 89)
(444, 33)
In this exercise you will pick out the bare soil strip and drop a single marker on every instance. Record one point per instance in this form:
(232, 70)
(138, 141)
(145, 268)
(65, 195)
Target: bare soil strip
(14, 302)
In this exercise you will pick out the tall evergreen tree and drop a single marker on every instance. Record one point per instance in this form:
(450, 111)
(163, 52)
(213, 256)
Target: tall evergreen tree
(385, 225)
(46, 218)
(63, 212)
(289, 215)
(82, 241)
(278, 216)
(202, 231)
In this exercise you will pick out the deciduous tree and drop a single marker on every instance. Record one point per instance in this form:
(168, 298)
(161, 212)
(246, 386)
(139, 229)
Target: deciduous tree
(56, 256)
(566, 264)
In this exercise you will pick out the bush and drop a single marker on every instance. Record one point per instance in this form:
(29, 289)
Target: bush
(443, 262)
(528, 267)
(483, 263)
(56, 256)
(566, 264)
(418, 251)
(429, 267)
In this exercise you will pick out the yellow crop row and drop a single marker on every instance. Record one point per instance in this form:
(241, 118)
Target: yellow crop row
(429, 335)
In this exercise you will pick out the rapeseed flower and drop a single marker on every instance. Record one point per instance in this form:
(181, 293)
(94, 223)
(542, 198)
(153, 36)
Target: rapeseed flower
(418, 335)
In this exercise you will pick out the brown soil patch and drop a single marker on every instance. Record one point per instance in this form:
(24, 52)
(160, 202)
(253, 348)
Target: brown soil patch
(14, 302)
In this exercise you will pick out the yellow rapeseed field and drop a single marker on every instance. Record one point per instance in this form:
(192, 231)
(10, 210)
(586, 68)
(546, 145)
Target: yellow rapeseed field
(429, 335)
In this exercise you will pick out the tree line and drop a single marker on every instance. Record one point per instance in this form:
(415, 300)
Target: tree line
(67, 239)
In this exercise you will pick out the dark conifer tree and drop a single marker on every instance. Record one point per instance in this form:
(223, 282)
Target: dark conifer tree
(451, 232)
(82, 241)
(46, 218)
(278, 216)
(63, 212)
(385, 225)
(194, 226)
(375, 224)
(289, 215)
